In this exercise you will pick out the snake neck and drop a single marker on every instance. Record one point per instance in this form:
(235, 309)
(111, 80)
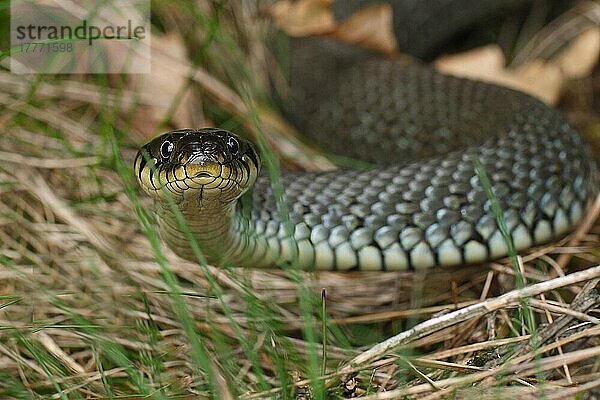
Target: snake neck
(224, 233)
(214, 227)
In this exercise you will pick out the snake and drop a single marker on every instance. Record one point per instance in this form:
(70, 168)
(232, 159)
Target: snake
(431, 142)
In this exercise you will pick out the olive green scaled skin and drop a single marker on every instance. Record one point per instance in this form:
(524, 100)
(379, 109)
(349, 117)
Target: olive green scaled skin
(423, 204)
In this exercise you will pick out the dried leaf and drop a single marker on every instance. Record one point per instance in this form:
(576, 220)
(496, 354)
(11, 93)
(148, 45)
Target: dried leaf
(167, 87)
(542, 79)
(482, 63)
(370, 27)
(579, 59)
(539, 79)
(304, 17)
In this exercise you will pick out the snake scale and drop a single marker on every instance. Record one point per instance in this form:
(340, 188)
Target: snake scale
(421, 205)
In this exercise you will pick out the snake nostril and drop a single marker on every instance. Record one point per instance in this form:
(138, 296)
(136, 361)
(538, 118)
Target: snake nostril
(200, 152)
(202, 158)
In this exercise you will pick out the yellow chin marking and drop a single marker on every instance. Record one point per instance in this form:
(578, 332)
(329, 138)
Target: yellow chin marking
(204, 171)
(209, 179)
(145, 179)
(180, 173)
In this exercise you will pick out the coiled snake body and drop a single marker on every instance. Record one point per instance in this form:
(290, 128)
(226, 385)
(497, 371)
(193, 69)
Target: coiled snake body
(423, 205)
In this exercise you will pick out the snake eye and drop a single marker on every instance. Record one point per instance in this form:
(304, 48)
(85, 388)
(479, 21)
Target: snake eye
(166, 149)
(233, 146)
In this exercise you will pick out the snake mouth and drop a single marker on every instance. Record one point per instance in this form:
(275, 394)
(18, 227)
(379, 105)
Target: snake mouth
(204, 177)
(203, 173)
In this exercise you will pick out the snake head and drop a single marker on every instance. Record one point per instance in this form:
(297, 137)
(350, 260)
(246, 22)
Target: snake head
(197, 164)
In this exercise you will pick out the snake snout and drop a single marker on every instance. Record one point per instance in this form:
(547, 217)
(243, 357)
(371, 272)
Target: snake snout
(202, 159)
(199, 152)
(203, 171)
